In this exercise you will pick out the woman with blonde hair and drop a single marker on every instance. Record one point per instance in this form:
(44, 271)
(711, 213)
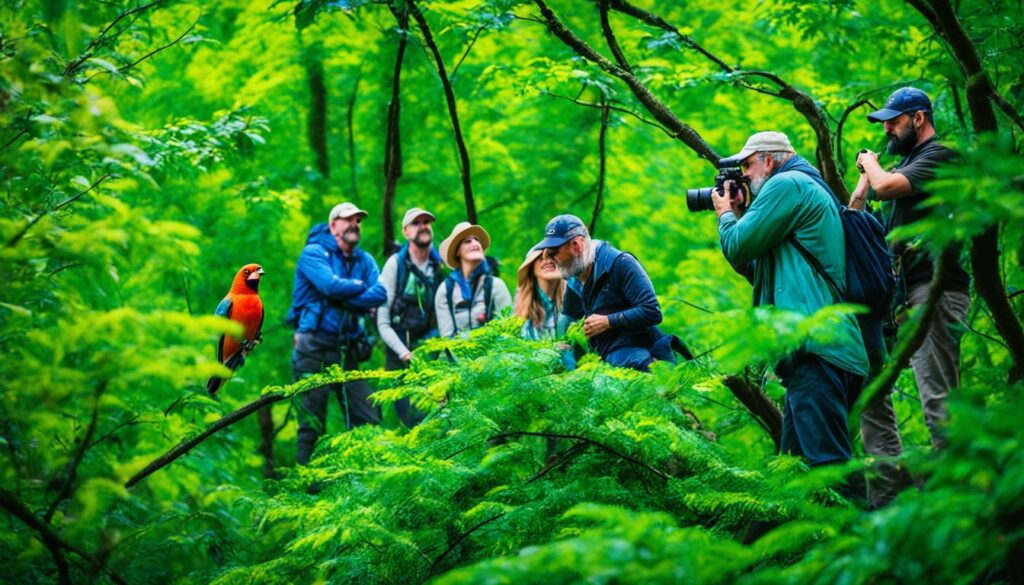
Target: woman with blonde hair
(539, 292)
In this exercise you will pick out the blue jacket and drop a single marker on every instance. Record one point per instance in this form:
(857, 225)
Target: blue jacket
(332, 291)
(619, 288)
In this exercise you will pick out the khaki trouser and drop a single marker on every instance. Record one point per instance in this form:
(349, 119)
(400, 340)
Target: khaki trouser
(936, 366)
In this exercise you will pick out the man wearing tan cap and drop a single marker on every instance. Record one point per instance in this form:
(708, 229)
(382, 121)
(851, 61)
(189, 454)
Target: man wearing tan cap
(790, 226)
(335, 286)
(411, 277)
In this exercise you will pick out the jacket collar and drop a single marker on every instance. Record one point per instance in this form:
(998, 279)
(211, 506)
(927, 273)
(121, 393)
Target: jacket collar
(321, 234)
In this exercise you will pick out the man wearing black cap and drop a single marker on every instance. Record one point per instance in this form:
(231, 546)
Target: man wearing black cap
(610, 291)
(909, 125)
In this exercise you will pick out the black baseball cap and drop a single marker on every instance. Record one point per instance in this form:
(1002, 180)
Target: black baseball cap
(906, 100)
(560, 230)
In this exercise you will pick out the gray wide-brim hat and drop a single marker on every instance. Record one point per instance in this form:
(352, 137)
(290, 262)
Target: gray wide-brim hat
(449, 247)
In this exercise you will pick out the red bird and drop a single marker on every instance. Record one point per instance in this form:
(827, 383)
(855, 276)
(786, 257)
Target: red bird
(243, 306)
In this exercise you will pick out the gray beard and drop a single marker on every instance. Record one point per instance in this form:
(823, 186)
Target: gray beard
(578, 265)
(756, 185)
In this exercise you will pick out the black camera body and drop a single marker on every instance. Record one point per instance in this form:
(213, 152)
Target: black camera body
(728, 170)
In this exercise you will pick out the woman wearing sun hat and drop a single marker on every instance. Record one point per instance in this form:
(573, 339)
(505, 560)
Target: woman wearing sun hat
(539, 293)
(471, 295)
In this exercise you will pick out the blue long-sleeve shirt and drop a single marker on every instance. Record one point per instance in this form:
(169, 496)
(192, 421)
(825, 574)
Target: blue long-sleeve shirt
(619, 288)
(332, 289)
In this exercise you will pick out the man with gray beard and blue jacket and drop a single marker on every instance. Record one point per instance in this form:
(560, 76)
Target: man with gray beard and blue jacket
(335, 287)
(611, 293)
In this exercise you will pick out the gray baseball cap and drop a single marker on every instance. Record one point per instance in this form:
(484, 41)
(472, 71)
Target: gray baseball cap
(415, 212)
(764, 142)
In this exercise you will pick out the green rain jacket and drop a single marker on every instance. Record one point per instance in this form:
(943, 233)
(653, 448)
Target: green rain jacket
(792, 202)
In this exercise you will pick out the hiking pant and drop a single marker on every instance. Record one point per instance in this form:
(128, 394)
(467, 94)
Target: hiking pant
(311, 355)
(936, 363)
(878, 426)
(407, 413)
(815, 408)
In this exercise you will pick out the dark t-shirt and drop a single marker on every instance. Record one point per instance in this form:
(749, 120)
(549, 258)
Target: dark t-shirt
(919, 168)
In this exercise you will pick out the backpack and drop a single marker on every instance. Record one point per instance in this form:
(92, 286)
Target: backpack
(449, 286)
(870, 278)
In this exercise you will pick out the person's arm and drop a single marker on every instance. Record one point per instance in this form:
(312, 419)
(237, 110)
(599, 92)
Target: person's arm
(375, 294)
(445, 326)
(388, 278)
(772, 216)
(314, 263)
(886, 185)
(859, 196)
(636, 286)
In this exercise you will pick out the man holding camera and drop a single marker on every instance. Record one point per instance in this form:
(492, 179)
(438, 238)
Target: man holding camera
(411, 277)
(908, 124)
(786, 216)
(335, 287)
(611, 293)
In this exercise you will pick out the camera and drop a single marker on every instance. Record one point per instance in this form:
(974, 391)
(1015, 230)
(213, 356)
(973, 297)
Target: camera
(728, 170)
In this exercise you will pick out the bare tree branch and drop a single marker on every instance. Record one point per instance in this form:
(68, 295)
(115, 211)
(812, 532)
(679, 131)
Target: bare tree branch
(660, 111)
(802, 101)
(73, 66)
(913, 335)
(393, 139)
(462, 537)
(21, 233)
(602, 166)
(624, 456)
(71, 473)
(146, 56)
(469, 48)
(52, 541)
(188, 444)
(449, 96)
(614, 109)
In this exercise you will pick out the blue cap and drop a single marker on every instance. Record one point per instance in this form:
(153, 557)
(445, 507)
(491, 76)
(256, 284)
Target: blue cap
(560, 230)
(906, 100)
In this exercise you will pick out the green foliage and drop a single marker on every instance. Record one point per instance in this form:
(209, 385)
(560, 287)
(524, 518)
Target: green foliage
(148, 150)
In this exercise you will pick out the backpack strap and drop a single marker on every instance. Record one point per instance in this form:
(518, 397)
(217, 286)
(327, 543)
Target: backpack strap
(488, 307)
(817, 266)
(449, 285)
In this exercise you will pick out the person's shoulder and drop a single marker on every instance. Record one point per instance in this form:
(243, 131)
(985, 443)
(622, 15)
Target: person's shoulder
(935, 150)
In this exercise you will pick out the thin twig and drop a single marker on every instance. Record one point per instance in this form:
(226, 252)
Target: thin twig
(613, 108)
(468, 49)
(127, 67)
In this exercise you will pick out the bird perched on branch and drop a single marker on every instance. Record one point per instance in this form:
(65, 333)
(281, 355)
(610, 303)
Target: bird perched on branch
(242, 305)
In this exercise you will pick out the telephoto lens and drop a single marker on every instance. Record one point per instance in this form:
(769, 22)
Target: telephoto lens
(699, 199)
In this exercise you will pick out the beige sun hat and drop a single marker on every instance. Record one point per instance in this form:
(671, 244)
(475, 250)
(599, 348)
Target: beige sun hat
(449, 247)
(525, 271)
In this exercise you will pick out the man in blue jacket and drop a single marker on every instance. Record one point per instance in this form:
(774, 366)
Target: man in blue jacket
(610, 291)
(335, 286)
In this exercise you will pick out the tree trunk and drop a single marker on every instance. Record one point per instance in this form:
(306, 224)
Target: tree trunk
(393, 142)
(985, 247)
(453, 113)
(317, 109)
(266, 422)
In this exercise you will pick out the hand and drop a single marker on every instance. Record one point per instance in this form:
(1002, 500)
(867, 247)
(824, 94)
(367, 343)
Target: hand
(731, 201)
(408, 356)
(596, 325)
(866, 156)
(295, 339)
